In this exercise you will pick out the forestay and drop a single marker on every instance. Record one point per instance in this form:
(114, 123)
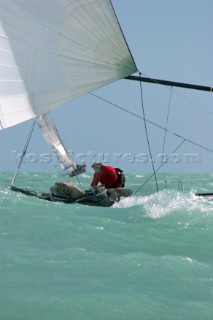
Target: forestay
(53, 51)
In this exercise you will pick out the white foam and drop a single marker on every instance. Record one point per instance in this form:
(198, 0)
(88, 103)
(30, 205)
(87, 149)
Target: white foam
(166, 202)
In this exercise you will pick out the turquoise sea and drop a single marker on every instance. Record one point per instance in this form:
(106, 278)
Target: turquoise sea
(148, 257)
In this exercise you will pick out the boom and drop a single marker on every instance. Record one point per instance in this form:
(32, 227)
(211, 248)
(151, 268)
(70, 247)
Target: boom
(170, 83)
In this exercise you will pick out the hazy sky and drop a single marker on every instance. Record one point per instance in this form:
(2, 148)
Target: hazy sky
(170, 40)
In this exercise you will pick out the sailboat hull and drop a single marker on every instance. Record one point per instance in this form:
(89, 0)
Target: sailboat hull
(106, 199)
(67, 192)
(207, 196)
(70, 193)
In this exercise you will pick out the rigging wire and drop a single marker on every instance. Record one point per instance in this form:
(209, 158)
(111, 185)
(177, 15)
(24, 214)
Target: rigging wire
(153, 123)
(167, 120)
(24, 152)
(147, 136)
(165, 160)
(197, 105)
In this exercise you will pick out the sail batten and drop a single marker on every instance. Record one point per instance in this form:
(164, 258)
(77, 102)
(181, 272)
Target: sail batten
(54, 51)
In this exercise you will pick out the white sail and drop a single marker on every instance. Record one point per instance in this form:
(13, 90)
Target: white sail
(53, 51)
(52, 138)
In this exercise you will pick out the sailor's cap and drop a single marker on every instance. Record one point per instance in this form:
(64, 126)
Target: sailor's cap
(96, 165)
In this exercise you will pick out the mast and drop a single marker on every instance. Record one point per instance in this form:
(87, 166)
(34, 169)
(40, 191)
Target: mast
(170, 83)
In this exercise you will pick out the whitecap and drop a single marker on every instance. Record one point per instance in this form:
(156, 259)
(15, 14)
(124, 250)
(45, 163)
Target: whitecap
(158, 205)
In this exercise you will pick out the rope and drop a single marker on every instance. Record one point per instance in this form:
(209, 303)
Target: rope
(147, 136)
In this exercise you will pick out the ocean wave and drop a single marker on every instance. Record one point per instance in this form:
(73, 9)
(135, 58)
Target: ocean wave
(166, 202)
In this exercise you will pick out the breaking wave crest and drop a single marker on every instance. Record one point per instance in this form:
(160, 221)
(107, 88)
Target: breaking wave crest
(166, 202)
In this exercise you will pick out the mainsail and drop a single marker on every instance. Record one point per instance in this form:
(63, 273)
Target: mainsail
(53, 51)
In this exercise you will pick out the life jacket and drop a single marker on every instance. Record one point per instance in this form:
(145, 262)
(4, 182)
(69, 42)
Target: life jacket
(121, 177)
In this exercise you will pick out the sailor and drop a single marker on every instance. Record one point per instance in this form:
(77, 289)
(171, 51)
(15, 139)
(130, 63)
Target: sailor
(108, 176)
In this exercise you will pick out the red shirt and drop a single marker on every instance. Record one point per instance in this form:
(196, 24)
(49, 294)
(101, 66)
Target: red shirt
(107, 176)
